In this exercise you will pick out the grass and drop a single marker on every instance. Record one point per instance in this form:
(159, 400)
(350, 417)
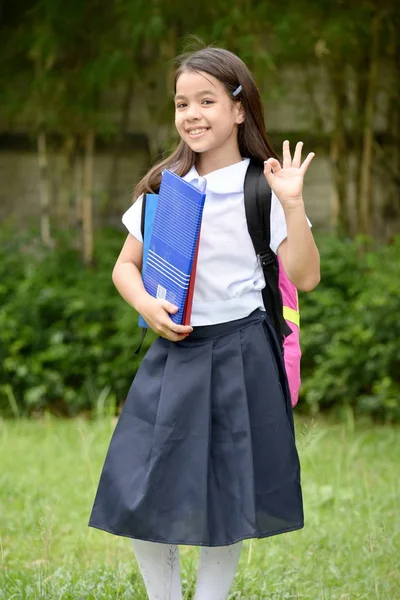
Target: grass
(349, 549)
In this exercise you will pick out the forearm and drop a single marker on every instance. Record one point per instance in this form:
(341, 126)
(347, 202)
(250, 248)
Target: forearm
(156, 312)
(301, 256)
(129, 283)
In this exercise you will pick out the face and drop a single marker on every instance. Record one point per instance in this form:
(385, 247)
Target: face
(205, 116)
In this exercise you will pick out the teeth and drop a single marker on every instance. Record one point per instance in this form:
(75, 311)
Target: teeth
(197, 131)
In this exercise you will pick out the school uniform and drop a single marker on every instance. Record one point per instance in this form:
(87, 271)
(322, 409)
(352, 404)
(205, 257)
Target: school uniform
(204, 450)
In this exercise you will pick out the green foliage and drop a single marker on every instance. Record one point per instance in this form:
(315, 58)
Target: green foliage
(348, 549)
(351, 330)
(67, 339)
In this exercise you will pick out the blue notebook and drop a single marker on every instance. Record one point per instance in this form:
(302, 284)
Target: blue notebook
(171, 234)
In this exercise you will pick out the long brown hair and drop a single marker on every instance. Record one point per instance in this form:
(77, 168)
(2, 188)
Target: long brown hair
(231, 71)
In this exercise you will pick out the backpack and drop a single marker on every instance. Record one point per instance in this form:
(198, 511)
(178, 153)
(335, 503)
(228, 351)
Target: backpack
(279, 295)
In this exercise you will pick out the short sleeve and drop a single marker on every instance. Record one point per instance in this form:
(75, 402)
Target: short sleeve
(132, 219)
(278, 224)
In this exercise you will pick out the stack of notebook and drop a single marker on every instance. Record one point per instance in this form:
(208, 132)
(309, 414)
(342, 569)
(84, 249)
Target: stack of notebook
(172, 221)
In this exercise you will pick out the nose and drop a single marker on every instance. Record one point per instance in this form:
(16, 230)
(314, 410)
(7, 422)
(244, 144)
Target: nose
(192, 112)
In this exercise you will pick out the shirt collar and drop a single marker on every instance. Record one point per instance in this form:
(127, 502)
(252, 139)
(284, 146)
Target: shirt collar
(227, 180)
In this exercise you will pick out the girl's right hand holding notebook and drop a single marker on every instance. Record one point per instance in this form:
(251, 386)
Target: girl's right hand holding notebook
(156, 314)
(128, 280)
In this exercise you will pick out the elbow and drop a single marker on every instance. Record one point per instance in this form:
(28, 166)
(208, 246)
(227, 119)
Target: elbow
(114, 274)
(311, 277)
(309, 283)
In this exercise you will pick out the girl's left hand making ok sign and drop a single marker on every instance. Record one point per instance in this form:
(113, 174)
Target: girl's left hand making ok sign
(287, 180)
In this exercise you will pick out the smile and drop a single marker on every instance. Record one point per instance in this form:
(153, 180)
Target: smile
(196, 133)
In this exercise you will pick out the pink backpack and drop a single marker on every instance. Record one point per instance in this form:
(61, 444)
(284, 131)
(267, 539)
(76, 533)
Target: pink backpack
(279, 295)
(291, 343)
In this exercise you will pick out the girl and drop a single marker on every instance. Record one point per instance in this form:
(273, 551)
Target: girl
(204, 451)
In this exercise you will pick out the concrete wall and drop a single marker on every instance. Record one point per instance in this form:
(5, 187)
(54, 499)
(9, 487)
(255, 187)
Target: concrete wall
(19, 189)
(289, 109)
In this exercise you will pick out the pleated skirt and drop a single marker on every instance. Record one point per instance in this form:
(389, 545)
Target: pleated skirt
(204, 450)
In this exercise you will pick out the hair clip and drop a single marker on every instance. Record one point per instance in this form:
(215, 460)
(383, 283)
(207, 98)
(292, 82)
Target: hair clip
(237, 91)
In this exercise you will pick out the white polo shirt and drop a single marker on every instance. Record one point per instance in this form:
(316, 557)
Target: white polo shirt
(229, 278)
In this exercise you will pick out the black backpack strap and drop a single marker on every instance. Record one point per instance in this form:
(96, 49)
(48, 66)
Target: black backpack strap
(142, 222)
(143, 215)
(257, 202)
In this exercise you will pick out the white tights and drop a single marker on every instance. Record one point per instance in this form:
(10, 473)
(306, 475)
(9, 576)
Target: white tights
(160, 568)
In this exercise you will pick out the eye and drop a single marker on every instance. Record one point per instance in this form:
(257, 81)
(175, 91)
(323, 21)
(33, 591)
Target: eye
(207, 102)
(180, 105)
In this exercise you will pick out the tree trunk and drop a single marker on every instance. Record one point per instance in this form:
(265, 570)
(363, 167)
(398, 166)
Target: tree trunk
(78, 196)
(390, 156)
(44, 189)
(360, 74)
(365, 198)
(87, 200)
(311, 84)
(66, 218)
(338, 153)
(123, 128)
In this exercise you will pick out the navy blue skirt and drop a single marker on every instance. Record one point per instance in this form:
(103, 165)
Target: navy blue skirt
(204, 450)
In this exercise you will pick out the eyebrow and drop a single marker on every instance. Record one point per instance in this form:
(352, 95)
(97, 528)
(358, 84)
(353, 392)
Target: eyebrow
(201, 93)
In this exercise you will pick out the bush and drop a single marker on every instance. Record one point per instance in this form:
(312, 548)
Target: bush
(351, 331)
(67, 339)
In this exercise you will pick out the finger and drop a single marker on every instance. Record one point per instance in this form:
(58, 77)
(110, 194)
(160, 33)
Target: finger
(182, 329)
(179, 338)
(269, 176)
(297, 155)
(306, 163)
(171, 336)
(287, 159)
(169, 307)
(168, 325)
(272, 165)
(174, 337)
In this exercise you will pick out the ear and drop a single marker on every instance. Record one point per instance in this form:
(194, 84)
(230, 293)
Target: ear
(240, 114)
